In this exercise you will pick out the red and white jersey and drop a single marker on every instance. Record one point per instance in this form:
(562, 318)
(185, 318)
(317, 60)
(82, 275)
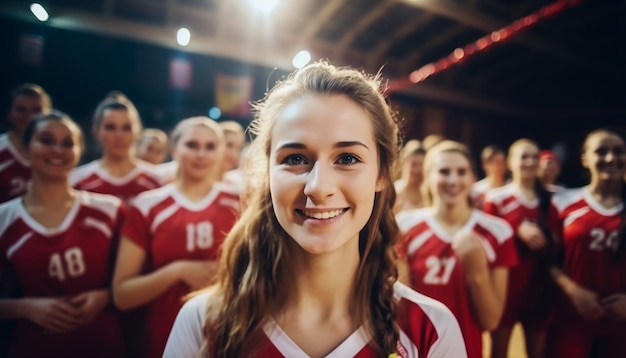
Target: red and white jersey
(479, 191)
(427, 330)
(589, 234)
(507, 202)
(75, 257)
(14, 171)
(93, 177)
(167, 170)
(169, 227)
(436, 270)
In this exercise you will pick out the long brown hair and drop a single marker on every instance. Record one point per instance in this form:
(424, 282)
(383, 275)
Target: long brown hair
(252, 273)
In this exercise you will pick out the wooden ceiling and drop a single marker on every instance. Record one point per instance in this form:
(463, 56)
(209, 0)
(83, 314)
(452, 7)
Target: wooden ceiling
(566, 65)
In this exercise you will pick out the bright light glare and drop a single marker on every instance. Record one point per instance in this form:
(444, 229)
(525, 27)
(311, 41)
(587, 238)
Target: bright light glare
(301, 59)
(40, 13)
(215, 113)
(264, 5)
(183, 36)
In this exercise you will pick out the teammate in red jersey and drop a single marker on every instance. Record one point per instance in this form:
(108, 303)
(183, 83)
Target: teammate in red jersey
(116, 125)
(453, 252)
(590, 314)
(57, 246)
(309, 268)
(27, 101)
(176, 231)
(524, 204)
(493, 160)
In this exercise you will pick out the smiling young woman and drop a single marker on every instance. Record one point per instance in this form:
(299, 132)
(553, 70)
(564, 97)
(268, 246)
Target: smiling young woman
(309, 268)
(171, 239)
(56, 251)
(116, 126)
(590, 314)
(453, 252)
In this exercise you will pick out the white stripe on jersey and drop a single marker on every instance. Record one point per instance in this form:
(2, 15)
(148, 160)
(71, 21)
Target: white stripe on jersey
(6, 164)
(575, 215)
(99, 225)
(106, 204)
(8, 214)
(418, 242)
(498, 227)
(163, 215)
(18, 244)
(409, 218)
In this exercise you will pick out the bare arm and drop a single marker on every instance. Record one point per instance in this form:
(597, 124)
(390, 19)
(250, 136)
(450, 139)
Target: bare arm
(487, 286)
(585, 301)
(56, 315)
(132, 289)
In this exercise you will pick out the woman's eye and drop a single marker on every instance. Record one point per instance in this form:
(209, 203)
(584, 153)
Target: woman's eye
(210, 146)
(294, 159)
(68, 144)
(348, 159)
(109, 127)
(46, 141)
(191, 145)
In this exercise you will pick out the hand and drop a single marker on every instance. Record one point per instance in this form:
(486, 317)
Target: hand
(531, 235)
(56, 315)
(615, 306)
(469, 248)
(198, 274)
(90, 304)
(586, 303)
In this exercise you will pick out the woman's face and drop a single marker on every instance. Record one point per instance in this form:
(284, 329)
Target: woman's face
(415, 165)
(234, 144)
(54, 149)
(323, 172)
(524, 161)
(152, 150)
(450, 179)
(198, 152)
(117, 132)
(605, 156)
(496, 166)
(23, 109)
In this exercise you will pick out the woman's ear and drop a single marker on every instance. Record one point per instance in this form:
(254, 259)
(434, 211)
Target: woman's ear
(381, 183)
(583, 160)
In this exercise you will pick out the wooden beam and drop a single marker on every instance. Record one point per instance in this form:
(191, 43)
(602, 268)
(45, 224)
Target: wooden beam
(348, 37)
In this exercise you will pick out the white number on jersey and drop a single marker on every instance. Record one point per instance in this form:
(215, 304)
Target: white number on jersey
(439, 270)
(18, 186)
(199, 236)
(74, 264)
(602, 241)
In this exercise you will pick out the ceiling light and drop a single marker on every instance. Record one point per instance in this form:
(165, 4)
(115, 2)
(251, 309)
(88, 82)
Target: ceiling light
(183, 36)
(301, 59)
(40, 13)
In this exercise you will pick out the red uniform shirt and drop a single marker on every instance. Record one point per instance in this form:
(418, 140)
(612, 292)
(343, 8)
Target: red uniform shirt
(427, 329)
(436, 270)
(92, 177)
(65, 261)
(529, 285)
(14, 171)
(169, 228)
(589, 237)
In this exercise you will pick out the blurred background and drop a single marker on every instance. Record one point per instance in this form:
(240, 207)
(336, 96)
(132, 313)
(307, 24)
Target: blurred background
(478, 71)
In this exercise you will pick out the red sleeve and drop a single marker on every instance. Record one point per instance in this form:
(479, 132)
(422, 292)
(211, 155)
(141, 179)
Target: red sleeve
(506, 254)
(490, 208)
(136, 228)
